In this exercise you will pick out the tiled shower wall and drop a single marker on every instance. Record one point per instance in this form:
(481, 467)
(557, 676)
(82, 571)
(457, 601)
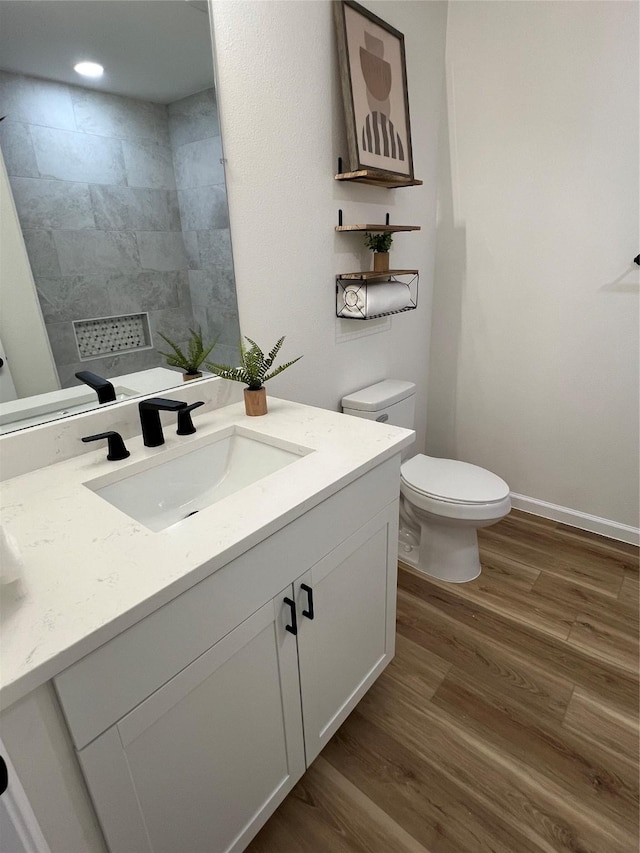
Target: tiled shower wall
(199, 172)
(94, 184)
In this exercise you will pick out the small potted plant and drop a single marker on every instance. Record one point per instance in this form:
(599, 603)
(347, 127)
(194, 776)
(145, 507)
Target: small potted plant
(254, 372)
(379, 242)
(191, 360)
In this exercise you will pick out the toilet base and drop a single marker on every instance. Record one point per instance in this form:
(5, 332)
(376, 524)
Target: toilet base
(446, 553)
(449, 552)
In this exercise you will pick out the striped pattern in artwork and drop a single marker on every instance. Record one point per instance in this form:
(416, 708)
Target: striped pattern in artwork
(379, 136)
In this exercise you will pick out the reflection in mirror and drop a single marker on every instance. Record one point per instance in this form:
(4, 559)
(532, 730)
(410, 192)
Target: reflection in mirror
(118, 185)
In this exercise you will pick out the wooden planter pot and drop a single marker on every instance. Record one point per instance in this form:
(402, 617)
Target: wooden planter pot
(381, 261)
(255, 402)
(187, 377)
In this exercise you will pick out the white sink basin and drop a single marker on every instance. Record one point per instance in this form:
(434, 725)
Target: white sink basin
(173, 490)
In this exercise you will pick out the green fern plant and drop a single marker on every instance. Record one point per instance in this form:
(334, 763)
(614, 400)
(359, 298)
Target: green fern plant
(379, 242)
(255, 367)
(195, 354)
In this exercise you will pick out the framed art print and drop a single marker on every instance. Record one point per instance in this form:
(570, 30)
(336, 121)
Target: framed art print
(374, 88)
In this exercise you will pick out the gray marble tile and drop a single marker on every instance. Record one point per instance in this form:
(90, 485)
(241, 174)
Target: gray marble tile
(128, 362)
(226, 354)
(116, 116)
(17, 149)
(144, 291)
(215, 288)
(130, 208)
(96, 251)
(203, 208)
(42, 253)
(194, 117)
(202, 103)
(175, 221)
(191, 246)
(67, 156)
(52, 204)
(112, 365)
(230, 330)
(36, 101)
(172, 322)
(162, 250)
(198, 164)
(214, 248)
(63, 343)
(184, 295)
(148, 164)
(78, 297)
(66, 373)
(218, 324)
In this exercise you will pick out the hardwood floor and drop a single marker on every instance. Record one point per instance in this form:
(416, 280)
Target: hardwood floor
(507, 721)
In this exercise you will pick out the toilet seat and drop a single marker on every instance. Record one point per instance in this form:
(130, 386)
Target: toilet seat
(451, 481)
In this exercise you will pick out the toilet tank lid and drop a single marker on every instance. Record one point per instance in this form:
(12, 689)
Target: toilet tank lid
(379, 396)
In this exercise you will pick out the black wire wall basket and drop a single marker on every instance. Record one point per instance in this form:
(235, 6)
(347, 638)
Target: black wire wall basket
(365, 296)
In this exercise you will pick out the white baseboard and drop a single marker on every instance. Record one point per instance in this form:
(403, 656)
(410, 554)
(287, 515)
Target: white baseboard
(593, 523)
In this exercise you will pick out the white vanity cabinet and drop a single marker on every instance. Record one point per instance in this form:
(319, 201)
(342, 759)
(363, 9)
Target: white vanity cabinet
(351, 637)
(201, 763)
(192, 726)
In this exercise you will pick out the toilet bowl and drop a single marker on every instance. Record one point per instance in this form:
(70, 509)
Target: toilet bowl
(443, 502)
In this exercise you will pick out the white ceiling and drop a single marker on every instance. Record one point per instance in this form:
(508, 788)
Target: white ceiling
(156, 50)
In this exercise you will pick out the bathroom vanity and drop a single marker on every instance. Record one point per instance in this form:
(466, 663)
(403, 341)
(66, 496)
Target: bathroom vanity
(202, 667)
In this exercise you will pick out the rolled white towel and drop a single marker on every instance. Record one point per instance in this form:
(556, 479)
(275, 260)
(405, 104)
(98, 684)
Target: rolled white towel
(11, 564)
(368, 300)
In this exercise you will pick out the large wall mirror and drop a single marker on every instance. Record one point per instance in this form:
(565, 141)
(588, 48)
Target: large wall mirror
(118, 186)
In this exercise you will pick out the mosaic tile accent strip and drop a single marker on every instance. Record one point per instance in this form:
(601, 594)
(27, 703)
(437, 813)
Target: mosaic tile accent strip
(112, 335)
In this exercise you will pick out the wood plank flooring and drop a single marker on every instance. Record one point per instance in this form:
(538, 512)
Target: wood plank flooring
(508, 720)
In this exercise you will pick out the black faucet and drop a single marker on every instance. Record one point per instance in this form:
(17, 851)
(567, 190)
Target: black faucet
(150, 418)
(117, 449)
(103, 388)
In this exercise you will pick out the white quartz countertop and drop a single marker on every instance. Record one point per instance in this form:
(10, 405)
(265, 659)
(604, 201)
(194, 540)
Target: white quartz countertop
(90, 571)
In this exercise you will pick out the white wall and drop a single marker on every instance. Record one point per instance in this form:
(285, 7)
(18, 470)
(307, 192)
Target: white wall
(534, 356)
(283, 130)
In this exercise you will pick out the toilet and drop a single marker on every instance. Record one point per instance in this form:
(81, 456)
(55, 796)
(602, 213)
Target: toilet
(443, 502)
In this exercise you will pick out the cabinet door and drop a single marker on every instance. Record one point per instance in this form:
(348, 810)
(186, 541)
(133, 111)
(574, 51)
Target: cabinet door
(202, 763)
(351, 637)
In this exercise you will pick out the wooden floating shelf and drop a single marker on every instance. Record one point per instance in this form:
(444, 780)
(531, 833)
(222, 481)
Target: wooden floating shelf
(378, 179)
(371, 275)
(386, 228)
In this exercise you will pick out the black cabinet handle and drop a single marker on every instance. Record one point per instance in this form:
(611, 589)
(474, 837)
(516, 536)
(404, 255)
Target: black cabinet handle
(293, 628)
(309, 612)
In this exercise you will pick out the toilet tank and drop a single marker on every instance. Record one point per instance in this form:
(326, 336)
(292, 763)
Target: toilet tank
(392, 401)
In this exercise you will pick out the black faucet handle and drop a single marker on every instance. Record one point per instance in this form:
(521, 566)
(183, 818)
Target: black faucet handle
(103, 388)
(185, 424)
(117, 450)
(161, 404)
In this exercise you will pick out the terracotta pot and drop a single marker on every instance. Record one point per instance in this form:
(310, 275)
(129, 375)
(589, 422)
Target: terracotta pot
(381, 261)
(255, 402)
(187, 377)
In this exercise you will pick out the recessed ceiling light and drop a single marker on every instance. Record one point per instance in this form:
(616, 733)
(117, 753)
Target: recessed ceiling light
(89, 69)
